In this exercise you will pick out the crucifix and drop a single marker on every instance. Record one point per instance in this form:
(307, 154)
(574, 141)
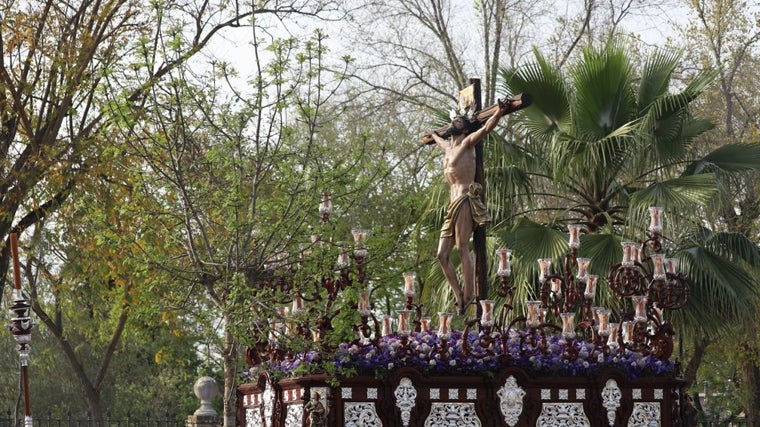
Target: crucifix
(466, 216)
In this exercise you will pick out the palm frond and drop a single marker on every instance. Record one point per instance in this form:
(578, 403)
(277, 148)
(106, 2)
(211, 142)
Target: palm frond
(734, 157)
(718, 285)
(678, 193)
(550, 111)
(655, 77)
(603, 95)
(734, 247)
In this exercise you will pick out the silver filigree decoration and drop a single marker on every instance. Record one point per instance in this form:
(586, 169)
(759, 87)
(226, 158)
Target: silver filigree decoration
(253, 417)
(346, 393)
(511, 396)
(371, 393)
(294, 416)
(268, 405)
(636, 393)
(580, 393)
(406, 395)
(562, 414)
(472, 394)
(563, 394)
(361, 414)
(645, 414)
(453, 393)
(453, 415)
(435, 393)
(611, 396)
(546, 394)
(658, 394)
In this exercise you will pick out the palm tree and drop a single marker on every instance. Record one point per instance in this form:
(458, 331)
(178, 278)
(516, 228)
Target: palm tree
(599, 146)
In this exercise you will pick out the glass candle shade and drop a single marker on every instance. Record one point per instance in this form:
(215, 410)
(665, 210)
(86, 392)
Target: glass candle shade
(575, 232)
(603, 321)
(486, 317)
(671, 265)
(404, 322)
(612, 341)
(629, 254)
(658, 267)
(409, 284)
(544, 266)
(364, 309)
(360, 248)
(386, 325)
(640, 308)
(325, 206)
(343, 260)
(655, 220)
(504, 255)
(628, 331)
(444, 324)
(542, 312)
(297, 305)
(583, 264)
(532, 310)
(425, 324)
(556, 287)
(568, 325)
(590, 291)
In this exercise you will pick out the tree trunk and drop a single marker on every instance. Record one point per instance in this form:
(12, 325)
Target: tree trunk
(230, 375)
(690, 373)
(751, 379)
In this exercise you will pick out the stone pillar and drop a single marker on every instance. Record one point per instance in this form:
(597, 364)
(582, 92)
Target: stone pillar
(205, 416)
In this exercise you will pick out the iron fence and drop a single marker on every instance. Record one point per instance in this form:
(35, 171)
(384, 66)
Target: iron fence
(147, 419)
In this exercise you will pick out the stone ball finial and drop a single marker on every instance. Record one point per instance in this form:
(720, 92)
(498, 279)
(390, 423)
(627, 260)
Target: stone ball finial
(206, 390)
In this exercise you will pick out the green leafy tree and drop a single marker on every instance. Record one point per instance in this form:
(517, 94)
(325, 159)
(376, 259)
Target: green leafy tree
(724, 35)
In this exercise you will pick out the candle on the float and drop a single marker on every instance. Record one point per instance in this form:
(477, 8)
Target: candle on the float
(583, 264)
(640, 308)
(568, 325)
(575, 231)
(544, 265)
(628, 331)
(556, 287)
(404, 324)
(603, 317)
(658, 266)
(387, 325)
(590, 290)
(297, 305)
(655, 219)
(364, 309)
(486, 317)
(425, 324)
(409, 284)
(504, 255)
(532, 312)
(325, 206)
(629, 254)
(444, 324)
(613, 339)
